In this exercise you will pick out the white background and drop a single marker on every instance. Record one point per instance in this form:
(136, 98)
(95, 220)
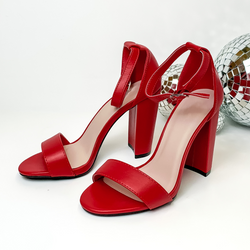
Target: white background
(59, 62)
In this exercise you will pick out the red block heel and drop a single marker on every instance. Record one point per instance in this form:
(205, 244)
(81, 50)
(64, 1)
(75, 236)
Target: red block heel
(187, 138)
(200, 155)
(62, 159)
(141, 127)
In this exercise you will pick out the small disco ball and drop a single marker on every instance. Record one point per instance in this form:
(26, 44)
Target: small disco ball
(169, 83)
(233, 66)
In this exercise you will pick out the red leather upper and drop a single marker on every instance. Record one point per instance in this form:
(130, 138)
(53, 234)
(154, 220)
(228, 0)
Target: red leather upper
(138, 64)
(129, 60)
(199, 72)
(142, 185)
(55, 156)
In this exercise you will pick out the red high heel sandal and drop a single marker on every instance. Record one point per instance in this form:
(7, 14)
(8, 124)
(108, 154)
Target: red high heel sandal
(61, 159)
(187, 138)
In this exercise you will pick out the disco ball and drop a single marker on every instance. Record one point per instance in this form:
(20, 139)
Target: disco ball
(233, 66)
(169, 83)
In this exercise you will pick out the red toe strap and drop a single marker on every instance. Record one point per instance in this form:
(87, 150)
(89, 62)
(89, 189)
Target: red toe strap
(136, 181)
(55, 156)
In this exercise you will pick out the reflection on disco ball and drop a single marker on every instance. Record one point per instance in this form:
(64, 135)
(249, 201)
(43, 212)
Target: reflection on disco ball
(221, 121)
(233, 66)
(169, 82)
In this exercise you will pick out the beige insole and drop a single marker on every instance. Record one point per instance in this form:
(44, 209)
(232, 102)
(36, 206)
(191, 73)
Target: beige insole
(78, 153)
(165, 166)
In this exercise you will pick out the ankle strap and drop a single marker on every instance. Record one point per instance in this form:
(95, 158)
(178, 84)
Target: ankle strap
(188, 86)
(129, 60)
